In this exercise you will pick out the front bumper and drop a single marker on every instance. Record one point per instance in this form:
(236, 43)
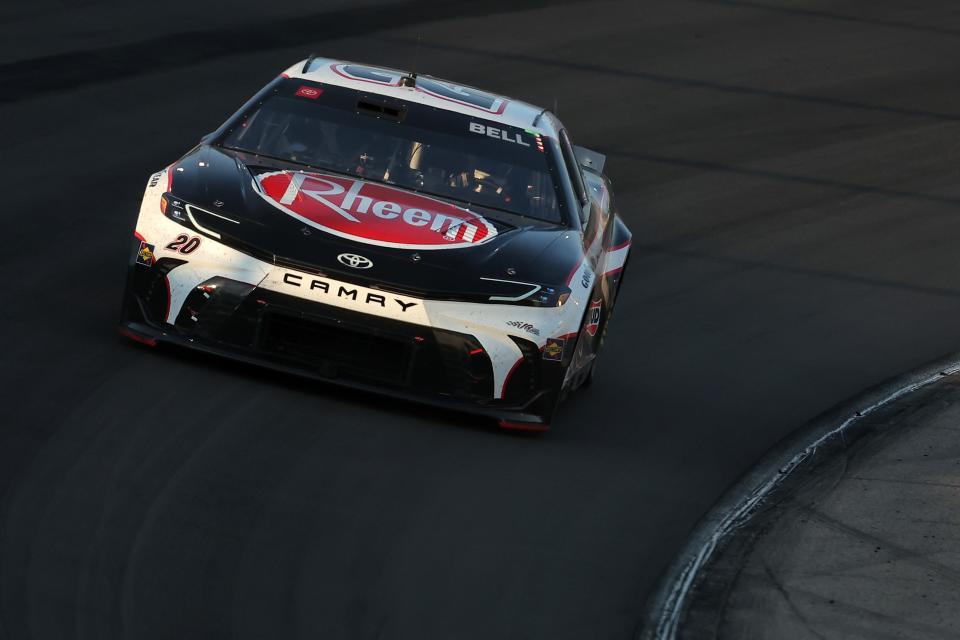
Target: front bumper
(257, 325)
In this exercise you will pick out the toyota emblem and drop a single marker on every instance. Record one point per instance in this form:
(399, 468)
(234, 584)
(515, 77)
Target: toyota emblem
(354, 261)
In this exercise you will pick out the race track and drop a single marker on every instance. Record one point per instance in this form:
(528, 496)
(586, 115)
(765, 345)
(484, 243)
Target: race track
(790, 170)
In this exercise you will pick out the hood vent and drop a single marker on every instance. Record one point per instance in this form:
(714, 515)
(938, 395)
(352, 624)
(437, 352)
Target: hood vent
(382, 108)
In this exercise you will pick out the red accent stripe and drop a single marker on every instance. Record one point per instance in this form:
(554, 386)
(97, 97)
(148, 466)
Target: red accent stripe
(170, 177)
(620, 246)
(136, 234)
(166, 315)
(513, 369)
(284, 75)
(612, 271)
(523, 426)
(136, 337)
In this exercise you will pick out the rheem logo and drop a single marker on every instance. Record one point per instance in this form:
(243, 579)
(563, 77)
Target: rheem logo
(373, 213)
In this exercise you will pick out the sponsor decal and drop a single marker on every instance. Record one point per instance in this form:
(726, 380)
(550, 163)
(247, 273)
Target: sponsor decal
(553, 350)
(373, 213)
(184, 244)
(526, 326)
(587, 278)
(354, 261)
(376, 75)
(154, 180)
(308, 92)
(499, 134)
(341, 291)
(145, 255)
(593, 316)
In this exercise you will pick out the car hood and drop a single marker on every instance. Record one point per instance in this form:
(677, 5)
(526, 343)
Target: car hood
(309, 219)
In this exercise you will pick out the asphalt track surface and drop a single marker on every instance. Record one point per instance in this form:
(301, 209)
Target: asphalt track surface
(791, 173)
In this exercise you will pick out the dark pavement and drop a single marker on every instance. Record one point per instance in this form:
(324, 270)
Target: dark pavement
(861, 544)
(791, 173)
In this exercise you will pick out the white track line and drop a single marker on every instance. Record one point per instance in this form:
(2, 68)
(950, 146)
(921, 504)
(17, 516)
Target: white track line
(673, 607)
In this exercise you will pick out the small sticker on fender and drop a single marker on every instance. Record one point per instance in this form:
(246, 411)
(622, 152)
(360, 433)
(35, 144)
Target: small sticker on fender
(145, 255)
(553, 350)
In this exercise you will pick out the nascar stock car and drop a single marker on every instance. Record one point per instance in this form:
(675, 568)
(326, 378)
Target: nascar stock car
(387, 231)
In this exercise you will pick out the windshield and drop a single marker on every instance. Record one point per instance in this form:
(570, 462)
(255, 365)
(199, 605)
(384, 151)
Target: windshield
(433, 151)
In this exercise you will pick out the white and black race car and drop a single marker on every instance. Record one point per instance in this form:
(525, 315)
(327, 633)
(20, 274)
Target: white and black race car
(386, 231)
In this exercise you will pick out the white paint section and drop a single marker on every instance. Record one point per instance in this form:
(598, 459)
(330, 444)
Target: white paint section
(211, 259)
(181, 281)
(616, 259)
(577, 277)
(186, 277)
(156, 185)
(502, 351)
(488, 324)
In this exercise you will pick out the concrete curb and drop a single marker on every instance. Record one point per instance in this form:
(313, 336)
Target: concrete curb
(829, 433)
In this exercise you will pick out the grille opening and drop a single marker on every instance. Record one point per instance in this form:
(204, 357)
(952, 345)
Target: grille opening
(337, 349)
(526, 377)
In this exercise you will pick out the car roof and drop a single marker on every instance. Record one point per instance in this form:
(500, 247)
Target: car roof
(346, 74)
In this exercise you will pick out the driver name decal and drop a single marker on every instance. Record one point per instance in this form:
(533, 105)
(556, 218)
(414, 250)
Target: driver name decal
(499, 134)
(373, 213)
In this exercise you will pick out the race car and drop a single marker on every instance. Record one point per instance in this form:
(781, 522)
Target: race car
(387, 231)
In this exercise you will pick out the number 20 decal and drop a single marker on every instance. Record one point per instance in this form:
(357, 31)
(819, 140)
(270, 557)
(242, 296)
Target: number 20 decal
(184, 244)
